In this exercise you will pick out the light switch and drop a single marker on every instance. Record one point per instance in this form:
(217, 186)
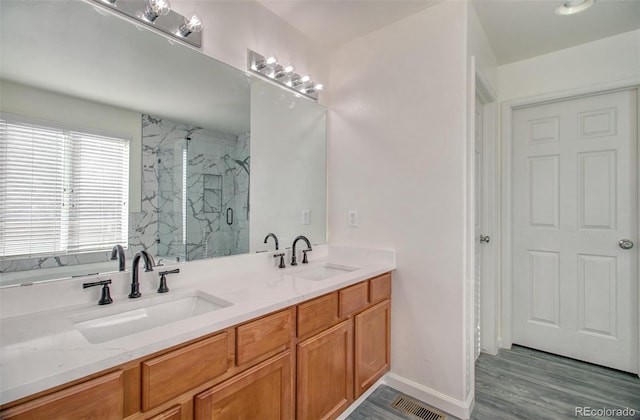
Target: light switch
(306, 217)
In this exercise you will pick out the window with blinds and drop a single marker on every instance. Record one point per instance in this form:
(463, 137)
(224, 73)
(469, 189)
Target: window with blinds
(62, 190)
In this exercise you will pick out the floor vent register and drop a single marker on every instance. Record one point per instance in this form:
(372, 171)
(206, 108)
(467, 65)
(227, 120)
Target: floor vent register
(409, 406)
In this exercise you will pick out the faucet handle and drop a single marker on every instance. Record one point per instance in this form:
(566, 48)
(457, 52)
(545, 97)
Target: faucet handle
(105, 296)
(304, 255)
(281, 255)
(163, 280)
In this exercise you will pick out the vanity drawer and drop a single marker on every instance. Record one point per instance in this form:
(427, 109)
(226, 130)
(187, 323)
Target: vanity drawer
(167, 376)
(317, 313)
(353, 298)
(100, 398)
(380, 288)
(263, 337)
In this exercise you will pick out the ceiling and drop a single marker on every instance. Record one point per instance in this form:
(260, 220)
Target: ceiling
(516, 29)
(334, 22)
(519, 29)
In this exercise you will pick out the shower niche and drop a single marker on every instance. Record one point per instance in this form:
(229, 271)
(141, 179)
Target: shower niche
(195, 190)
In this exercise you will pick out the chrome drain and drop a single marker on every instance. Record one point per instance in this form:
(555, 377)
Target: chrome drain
(409, 406)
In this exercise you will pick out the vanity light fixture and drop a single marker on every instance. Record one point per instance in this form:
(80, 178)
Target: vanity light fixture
(191, 24)
(283, 71)
(158, 14)
(299, 80)
(571, 7)
(156, 8)
(284, 75)
(265, 64)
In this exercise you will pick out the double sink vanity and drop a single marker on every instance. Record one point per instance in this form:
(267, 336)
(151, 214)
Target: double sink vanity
(235, 337)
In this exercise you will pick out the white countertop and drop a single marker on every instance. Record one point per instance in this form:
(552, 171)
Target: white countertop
(41, 348)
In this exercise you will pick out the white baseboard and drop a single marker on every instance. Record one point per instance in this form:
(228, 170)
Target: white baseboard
(360, 400)
(452, 406)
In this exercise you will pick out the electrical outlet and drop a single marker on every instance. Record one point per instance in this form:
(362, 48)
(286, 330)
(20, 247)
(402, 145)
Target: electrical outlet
(306, 217)
(353, 218)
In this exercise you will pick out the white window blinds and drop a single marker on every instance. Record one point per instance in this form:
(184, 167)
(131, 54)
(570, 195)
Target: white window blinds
(61, 190)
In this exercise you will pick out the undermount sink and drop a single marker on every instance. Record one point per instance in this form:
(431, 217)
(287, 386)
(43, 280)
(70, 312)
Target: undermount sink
(108, 324)
(324, 272)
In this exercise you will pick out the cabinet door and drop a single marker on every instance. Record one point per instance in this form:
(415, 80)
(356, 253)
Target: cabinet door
(262, 392)
(99, 398)
(373, 328)
(325, 373)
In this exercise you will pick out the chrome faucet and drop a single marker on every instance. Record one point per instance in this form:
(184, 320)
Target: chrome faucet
(293, 253)
(148, 266)
(275, 238)
(117, 253)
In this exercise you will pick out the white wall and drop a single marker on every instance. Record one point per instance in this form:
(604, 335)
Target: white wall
(479, 47)
(397, 132)
(611, 59)
(43, 104)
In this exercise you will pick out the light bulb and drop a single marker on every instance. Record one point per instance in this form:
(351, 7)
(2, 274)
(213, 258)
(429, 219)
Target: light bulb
(298, 80)
(271, 60)
(192, 23)
(283, 71)
(318, 86)
(156, 8)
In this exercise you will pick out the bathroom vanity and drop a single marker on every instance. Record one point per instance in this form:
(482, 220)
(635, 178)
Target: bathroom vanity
(300, 342)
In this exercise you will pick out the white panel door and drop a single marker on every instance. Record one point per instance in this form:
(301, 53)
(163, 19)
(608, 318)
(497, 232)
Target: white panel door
(574, 192)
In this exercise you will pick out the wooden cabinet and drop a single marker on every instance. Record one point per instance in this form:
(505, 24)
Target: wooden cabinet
(262, 392)
(317, 314)
(325, 373)
(264, 337)
(308, 361)
(380, 288)
(100, 398)
(176, 372)
(353, 298)
(372, 345)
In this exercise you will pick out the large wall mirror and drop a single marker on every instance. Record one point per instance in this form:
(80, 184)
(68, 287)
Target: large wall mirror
(217, 158)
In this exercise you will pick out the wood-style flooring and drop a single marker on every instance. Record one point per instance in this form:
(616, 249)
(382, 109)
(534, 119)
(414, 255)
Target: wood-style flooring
(522, 383)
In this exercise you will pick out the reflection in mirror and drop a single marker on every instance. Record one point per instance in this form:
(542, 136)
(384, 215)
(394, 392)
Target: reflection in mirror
(196, 189)
(288, 171)
(118, 78)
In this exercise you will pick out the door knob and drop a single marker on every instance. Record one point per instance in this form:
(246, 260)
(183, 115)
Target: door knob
(625, 244)
(486, 239)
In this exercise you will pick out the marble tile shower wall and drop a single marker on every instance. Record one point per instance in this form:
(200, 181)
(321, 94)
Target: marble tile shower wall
(217, 182)
(212, 157)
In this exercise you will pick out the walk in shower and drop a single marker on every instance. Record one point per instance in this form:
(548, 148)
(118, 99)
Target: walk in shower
(202, 200)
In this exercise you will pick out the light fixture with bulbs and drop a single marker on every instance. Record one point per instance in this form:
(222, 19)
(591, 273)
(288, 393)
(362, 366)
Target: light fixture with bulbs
(282, 74)
(155, 9)
(572, 7)
(159, 15)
